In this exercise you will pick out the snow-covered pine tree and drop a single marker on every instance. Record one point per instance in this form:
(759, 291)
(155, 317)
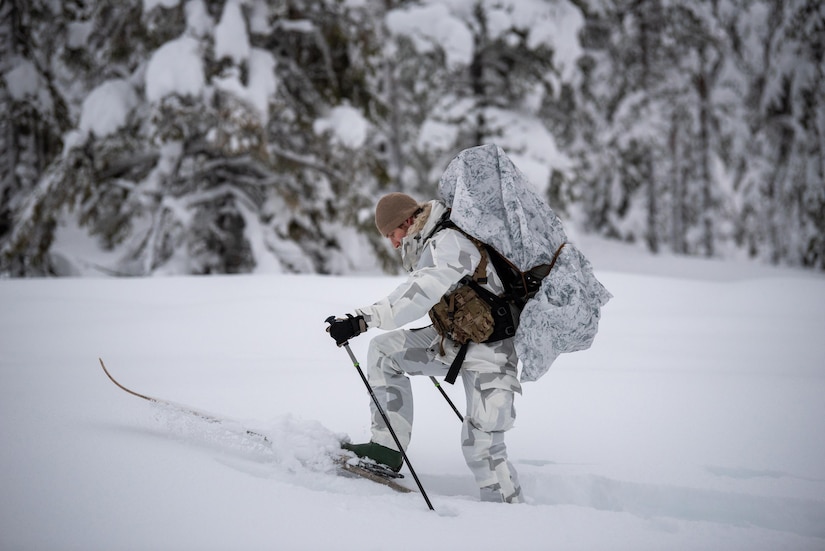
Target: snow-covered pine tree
(203, 136)
(323, 132)
(699, 202)
(482, 72)
(33, 117)
(623, 97)
(726, 127)
(199, 150)
(783, 218)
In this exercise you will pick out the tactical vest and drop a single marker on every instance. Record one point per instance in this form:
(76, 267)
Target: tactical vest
(472, 313)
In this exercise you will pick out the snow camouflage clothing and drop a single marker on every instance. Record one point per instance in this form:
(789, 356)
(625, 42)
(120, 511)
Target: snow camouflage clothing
(437, 263)
(493, 201)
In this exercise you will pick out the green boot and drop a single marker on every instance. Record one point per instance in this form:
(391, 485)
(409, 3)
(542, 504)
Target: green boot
(378, 453)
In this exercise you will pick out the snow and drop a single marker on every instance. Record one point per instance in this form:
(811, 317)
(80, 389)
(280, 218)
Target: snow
(694, 422)
(436, 136)
(539, 154)
(431, 26)
(346, 125)
(24, 83)
(259, 18)
(149, 5)
(175, 68)
(556, 25)
(107, 107)
(448, 23)
(198, 21)
(231, 38)
(78, 33)
(262, 83)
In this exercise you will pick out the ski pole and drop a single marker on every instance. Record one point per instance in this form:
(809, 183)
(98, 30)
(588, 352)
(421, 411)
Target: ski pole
(385, 418)
(389, 426)
(441, 390)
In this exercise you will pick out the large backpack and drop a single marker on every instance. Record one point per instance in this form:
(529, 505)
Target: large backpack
(560, 298)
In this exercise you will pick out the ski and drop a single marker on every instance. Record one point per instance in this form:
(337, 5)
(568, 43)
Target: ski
(346, 465)
(208, 417)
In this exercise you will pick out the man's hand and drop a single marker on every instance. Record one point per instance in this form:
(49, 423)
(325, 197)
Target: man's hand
(343, 329)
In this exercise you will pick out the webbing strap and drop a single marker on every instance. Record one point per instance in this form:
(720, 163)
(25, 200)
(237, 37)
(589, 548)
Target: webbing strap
(480, 274)
(455, 367)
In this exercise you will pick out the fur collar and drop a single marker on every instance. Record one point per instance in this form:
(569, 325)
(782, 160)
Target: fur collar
(421, 220)
(423, 225)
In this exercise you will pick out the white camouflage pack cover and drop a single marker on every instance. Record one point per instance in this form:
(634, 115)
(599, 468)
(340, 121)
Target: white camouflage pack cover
(493, 201)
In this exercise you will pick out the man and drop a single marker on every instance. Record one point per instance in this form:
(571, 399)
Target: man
(438, 258)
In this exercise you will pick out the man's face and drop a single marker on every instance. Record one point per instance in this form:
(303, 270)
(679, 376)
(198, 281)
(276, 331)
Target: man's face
(399, 233)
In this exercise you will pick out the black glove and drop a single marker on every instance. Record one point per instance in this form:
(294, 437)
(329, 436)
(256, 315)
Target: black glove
(343, 329)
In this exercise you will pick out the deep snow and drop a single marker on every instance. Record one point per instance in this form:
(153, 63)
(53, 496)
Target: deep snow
(694, 422)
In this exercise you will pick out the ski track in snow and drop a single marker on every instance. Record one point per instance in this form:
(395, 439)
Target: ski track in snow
(298, 451)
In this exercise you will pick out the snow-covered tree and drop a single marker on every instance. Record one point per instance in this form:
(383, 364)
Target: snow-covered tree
(784, 188)
(220, 151)
(33, 118)
(625, 94)
(692, 117)
(478, 72)
(223, 136)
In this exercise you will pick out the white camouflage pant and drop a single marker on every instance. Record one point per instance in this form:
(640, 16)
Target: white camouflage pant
(490, 383)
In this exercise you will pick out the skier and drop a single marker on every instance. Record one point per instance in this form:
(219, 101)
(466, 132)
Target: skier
(437, 259)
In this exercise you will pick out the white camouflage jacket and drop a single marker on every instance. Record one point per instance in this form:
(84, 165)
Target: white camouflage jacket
(436, 264)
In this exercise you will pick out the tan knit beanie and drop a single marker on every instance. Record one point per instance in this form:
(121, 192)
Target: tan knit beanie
(392, 210)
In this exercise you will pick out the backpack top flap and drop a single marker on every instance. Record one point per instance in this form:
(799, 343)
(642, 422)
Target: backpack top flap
(492, 200)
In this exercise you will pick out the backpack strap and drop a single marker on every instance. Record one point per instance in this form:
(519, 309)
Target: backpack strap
(480, 273)
(455, 367)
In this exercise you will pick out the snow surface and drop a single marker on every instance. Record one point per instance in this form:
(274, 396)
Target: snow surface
(694, 422)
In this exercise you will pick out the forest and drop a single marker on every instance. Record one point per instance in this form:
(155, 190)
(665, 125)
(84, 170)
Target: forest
(240, 136)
